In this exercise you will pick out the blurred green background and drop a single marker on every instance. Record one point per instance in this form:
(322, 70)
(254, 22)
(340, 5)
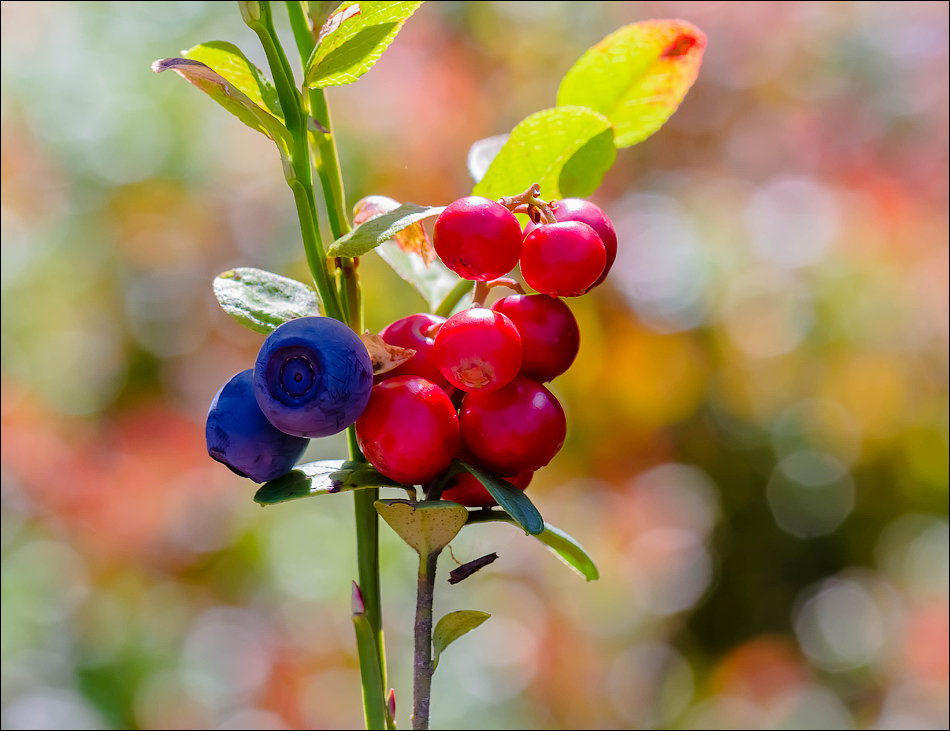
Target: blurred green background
(757, 454)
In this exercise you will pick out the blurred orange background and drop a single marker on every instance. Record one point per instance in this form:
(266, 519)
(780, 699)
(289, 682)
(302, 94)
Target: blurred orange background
(757, 453)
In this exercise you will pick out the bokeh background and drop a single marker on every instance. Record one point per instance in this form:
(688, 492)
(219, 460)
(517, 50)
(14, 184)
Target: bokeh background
(757, 455)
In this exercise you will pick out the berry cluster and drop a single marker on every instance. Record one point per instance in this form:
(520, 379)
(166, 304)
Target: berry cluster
(473, 389)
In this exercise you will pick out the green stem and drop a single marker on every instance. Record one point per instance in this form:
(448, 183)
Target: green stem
(297, 169)
(453, 298)
(422, 657)
(327, 160)
(369, 627)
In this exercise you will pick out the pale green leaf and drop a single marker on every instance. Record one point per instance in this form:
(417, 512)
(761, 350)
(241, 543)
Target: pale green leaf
(261, 300)
(560, 543)
(566, 150)
(367, 236)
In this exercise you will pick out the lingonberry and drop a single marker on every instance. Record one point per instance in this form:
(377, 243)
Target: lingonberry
(520, 426)
(578, 209)
(550, 337)
(409, 430)
(464, 489)
(478, 238)
(312, 377)
(478, 349)
(563, 259)
(240, 436)
(416, 332)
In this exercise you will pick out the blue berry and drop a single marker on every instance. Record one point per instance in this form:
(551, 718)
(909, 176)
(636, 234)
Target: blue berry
(240, 436)
(313, 377)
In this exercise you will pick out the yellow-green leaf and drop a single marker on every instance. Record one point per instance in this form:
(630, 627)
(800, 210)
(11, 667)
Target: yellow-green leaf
(352, 40)
(566, 150)
(228, 96)
(637, 76)
(227, 60)
(452, 626)
(426, 526)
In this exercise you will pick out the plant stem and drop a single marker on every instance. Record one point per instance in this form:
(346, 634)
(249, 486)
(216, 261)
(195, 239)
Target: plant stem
(422, 657)
(298, 173)
(368, 627)
(453, 298)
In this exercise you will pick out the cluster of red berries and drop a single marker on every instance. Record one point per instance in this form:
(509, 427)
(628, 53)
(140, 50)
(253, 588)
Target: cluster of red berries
(473, 390)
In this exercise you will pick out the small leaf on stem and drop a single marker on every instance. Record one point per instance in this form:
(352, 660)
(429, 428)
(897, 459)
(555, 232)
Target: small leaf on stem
(227, 60)
(320, 478)
(510, 498)
(452, 626)
(228, 96)
(426, 526)
(481, 154)
(379, 229)
(413, 239)
(261, 300)
(352, 40)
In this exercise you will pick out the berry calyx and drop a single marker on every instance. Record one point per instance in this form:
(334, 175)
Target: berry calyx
(312, 377)
(519, 427)
(417, 332)
(550, 337)
(478, 350)
(465, 489)
(409, 430)
(240, 437)
(563, 259)
(578, 209)
(477, 238)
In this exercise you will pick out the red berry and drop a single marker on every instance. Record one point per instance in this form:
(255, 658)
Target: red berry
(416, 332)
(520, 426)
(478, 349)
(578, 209)
(478, 238)
(409, 430)
(465, 489)
(563, 259)
(550, 337)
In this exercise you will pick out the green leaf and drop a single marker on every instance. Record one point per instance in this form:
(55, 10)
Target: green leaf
(320, 478)
(433, 282)
(636, 76)
(261, 300)
(509, 497)
(426, 526)
(228, 96)
(353, 39)
(543, 146)
(452, 626)
(367, 236)
(227, 60)
(560, 543)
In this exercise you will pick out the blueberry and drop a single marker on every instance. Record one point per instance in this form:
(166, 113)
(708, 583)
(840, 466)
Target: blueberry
(313, 377)
(240, 436)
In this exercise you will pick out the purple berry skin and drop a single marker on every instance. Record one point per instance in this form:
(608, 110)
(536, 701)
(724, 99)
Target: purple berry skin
(313, 377)
(241, 438)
